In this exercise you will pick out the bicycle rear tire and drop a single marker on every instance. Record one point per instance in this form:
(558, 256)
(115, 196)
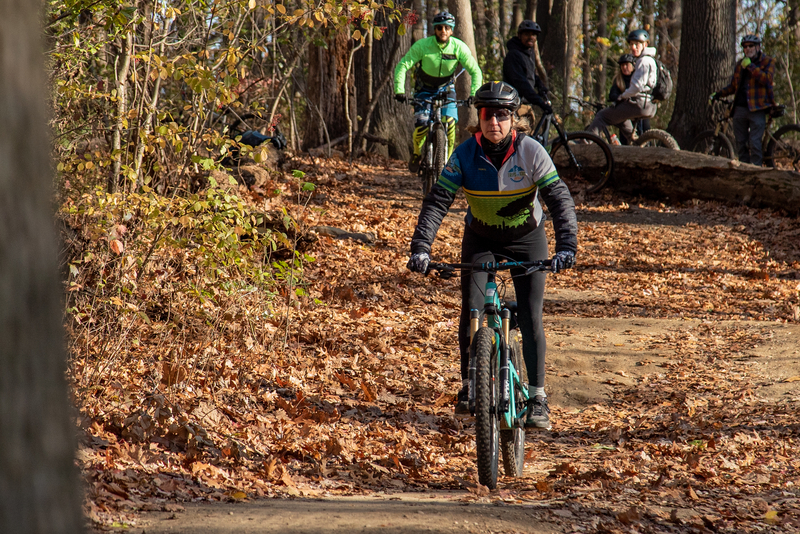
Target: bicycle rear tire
(594, 158)
(710, 143)
(439, 148)
(783, 150)
(486, 400)
(657, 138)
(512, 441)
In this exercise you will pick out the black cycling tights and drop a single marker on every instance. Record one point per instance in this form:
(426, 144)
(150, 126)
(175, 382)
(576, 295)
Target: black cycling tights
(529, 290)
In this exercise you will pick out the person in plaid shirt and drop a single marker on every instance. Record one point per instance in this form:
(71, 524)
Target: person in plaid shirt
(752, 87)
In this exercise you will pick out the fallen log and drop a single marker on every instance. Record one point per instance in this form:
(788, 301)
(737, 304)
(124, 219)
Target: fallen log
(682, 175)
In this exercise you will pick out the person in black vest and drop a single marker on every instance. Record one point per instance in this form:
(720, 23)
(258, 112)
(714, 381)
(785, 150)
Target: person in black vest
(519, 66)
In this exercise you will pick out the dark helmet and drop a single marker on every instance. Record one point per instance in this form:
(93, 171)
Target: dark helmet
(626, 58)
(497, 95)
(639, 35)
(751, 38)
(444, 18)
(528, 26)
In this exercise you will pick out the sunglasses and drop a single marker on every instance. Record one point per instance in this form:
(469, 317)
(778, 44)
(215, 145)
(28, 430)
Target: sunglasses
(501, 114)
(748, 45)
(443, 27)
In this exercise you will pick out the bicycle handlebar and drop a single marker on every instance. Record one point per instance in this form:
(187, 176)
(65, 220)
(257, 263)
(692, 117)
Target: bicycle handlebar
(444, 100)
(447, 270)
(597, 106)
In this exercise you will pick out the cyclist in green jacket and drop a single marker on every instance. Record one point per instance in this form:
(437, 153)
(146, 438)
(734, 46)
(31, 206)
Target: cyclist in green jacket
(439, 57)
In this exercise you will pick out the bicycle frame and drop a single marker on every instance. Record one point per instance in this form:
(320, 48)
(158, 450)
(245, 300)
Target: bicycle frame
(434, 105)
(498, 318)
(509, 377)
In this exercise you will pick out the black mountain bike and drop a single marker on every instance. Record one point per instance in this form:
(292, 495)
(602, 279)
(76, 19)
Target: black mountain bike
(434, 152)
(582, 159)
(644, 138)
(781, 149)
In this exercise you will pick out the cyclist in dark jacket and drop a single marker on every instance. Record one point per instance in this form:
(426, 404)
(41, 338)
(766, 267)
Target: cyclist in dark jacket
(519, 66)
(502, 173)
(752, 86)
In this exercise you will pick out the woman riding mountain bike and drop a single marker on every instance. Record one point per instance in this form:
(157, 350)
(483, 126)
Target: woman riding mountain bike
(502, 173)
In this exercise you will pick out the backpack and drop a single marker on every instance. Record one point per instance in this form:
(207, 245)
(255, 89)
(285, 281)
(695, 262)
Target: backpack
(663, 87)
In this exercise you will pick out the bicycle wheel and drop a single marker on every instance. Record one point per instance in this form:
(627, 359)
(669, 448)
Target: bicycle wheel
(486, 397)
(783, 150)
(657, 138)
(592, 166)
(712, 144)
(512, 441)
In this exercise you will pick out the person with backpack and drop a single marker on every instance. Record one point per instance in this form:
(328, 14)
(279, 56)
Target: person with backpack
(519, 66)
(752, 86)
(622, 80)
(438, 57)
(637, 100)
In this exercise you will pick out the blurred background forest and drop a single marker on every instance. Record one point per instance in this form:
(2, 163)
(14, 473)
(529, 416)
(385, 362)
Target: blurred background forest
(154, 91)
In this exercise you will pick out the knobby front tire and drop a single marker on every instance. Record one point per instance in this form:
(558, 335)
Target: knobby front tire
(657, 138)
(710, 143)
(486, 398)
(439, 148)
(512, 441)
(594, 158)
(783, 151)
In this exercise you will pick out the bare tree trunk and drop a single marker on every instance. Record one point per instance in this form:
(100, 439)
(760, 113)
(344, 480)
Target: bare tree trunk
(648, 19)
(382, 115)
(479, 25)
(418, 30)
(793, 19)
(39, 488)
(517, 15)
(669, 34)
(542, 11)
(463, 13)
(121, 83)
(603, 63)
(710, 27)
(327, 87)
(587, 49)
(558, 56)
(502, 8)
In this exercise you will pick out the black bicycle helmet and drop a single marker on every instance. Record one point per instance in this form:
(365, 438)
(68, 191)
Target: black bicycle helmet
(444, 18)
(497, 95)
(751, 38)
(639, 35)
(626, 58)
(528, 26)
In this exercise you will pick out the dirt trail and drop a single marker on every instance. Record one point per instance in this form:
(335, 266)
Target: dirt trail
(606, 365)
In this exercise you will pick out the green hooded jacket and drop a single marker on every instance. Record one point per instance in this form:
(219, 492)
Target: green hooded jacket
(439, 63)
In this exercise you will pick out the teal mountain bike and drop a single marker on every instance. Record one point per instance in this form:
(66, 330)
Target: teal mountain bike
(498, 392)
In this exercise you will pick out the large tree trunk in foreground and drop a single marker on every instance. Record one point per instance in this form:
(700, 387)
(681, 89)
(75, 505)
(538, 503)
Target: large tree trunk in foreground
(706, 64)
(664, 173)
(39, 490)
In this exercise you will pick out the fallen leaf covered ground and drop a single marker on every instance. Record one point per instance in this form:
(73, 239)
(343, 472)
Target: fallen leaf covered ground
(348, 388)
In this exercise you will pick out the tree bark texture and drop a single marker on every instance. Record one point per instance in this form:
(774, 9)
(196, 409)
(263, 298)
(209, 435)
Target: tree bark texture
(707, 60)
(390, 120)
(39, 489)
(462, 11)
(542, 9)
(587, 51)
(327, 87)
(648, 19)
(793, 19)
(657, 172)
(668, 27)
(603, 65)
(558, 51)
(479, 25)
(418, 30)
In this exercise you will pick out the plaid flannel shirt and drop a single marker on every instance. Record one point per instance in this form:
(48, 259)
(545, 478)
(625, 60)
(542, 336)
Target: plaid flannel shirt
(759, 85)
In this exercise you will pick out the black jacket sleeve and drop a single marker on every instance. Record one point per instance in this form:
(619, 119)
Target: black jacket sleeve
(434, 207)
(559, 203)
(614, 93)
(514, 73)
